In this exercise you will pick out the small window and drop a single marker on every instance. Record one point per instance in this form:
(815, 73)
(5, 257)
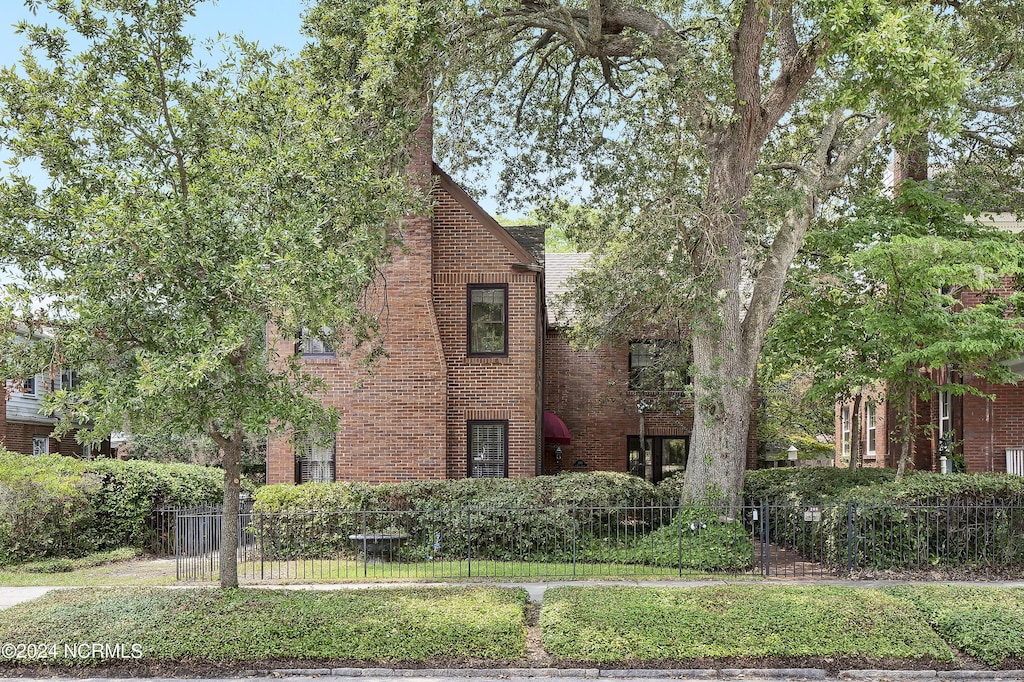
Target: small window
(488, 320)
(40, 445)
(309, 344)
(869, 420)
(68, 379)
(28, 386)
(945, 413)
(657, 366)
(488, 449)
(844, 430)
(315, 460)
(87, 451)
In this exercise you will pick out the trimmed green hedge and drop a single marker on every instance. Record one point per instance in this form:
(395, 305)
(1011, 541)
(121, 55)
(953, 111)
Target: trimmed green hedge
(57, 506)
(596, 517)
(808, 485)
(869, 521)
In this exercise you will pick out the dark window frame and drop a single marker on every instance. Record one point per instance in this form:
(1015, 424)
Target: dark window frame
(470, 288)
(657, 455)
(503, 423)
(303, 451)
(304, 334)
(659, 386)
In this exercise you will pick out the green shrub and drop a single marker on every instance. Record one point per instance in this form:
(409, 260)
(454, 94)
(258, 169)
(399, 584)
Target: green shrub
(759, 623)
(45, 507)
(925, 520)
(130, 491)
(696, 540)
(985, 622)
(53, 506)
(602, 516)
(211, 626)
(808, 485)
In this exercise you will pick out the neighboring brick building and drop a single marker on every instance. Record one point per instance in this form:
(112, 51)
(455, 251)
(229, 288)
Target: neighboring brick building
(24, 429)
(472, 365)
(989, 434)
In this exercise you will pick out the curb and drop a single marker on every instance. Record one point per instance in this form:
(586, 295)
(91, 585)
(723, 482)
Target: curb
(640, 673)
(582, 673)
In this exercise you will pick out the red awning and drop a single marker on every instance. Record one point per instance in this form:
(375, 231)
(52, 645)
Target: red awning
(555, 430)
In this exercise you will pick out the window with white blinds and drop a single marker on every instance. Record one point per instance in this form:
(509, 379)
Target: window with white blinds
(488, 449)
(316, 461)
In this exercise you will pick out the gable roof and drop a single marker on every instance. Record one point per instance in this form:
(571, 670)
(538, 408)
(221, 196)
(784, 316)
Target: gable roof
(490, 224)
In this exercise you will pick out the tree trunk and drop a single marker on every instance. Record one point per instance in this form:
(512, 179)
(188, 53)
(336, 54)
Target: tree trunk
(905, 434)
(855, 431)
(721, 421)
(647, 459)
(723, 369)
(231, 460)
(723, 384)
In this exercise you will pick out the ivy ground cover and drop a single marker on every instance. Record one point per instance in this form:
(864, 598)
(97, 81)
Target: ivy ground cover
(708, 624)
(243, 625)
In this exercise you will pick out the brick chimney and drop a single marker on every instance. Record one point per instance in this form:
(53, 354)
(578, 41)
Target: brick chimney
(910, 161)
(393, 416)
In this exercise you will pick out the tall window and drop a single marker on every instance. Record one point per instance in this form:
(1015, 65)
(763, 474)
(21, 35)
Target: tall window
(945, 413)
(869, 421)
(657, 366)
(488, 449)
(68, 379)
(309, 344)
(315, 460)
(488, 320)
(844, 430)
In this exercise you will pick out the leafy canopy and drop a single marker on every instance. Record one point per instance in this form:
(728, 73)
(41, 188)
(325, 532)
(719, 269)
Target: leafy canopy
(162, 209)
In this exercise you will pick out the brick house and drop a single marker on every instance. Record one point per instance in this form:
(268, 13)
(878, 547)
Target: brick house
(26, 430)
(477, 379)
(988, 434)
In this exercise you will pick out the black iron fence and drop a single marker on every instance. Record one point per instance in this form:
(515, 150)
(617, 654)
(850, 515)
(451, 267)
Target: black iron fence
(628, 540)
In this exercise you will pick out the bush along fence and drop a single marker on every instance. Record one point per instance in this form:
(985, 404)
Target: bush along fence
(630, 540)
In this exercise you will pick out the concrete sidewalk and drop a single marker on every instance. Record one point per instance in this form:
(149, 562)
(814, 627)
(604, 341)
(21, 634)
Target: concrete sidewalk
(9, 596)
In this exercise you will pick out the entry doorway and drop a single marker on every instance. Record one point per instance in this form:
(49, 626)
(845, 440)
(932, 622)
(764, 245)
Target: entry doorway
(664, 456)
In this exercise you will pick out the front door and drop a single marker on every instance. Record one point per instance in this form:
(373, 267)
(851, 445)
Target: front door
(664, 456)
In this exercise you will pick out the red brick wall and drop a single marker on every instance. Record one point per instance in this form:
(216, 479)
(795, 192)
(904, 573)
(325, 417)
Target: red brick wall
(990, 427)
(499, 388)
(407, 417)
(589, 390)
(3, 414)
(392, 425)
(17, 437)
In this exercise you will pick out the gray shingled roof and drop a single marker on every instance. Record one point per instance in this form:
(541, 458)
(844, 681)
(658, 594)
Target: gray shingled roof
(531, 238)
(557, 269)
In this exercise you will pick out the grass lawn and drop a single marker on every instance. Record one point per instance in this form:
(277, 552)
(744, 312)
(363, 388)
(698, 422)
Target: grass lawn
(240, 626)
(623, 624)
(345, 570)
(985, 622)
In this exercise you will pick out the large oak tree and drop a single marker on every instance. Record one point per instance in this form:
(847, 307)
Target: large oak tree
(706, 134)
